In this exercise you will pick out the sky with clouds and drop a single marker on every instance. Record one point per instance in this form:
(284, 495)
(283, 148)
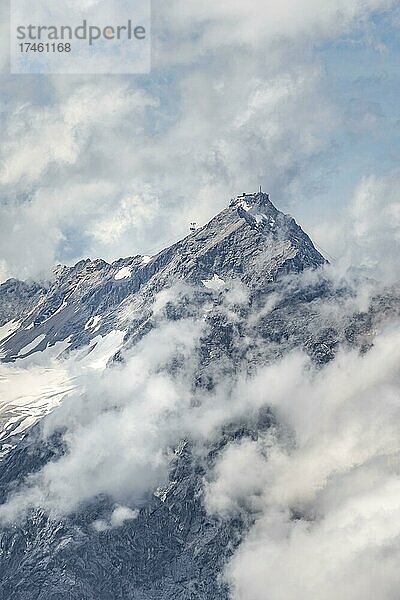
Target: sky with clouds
(299, 96)
(302, 98)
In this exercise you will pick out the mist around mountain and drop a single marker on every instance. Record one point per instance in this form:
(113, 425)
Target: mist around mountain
(219, 420)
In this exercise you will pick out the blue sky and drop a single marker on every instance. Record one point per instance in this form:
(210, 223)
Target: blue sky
(362, 79)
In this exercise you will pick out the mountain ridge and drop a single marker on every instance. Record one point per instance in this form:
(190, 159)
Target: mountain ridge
(260, 242)
(251, 282)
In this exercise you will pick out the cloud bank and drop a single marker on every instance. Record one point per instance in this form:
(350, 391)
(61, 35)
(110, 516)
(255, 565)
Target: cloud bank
(318, 489)
(238, 96)
(323, 491)
(119, 433)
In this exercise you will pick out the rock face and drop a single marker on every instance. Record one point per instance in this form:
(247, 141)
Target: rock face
(250, 241)
(242, 275)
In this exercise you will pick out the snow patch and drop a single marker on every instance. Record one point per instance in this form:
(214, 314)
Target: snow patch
(32, 345)
(5, 449)
(101, 350)
(64, 542)
(245, 205)
(260, 217)
(60, 308)
(93, 323)
(35, 385)
(9, 328)
(146, 259)
(123, 273)
(163, 491)
(216, 283)
(27, 394)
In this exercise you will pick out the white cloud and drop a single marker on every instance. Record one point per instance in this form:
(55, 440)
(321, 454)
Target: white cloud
(238, 479)
(327, 489)
(229, 23)
(366, 236)
(59, 134)
(164, 145)
(120, 430)
(119, 516)
(321, 487)
(375, 218)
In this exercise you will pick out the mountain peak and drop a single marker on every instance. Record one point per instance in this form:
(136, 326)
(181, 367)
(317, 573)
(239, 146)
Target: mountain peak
(250, 241)
(247, 201)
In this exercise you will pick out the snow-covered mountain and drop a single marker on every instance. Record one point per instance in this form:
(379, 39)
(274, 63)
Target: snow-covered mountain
(251, 241)
(256, 288)
(103, 308)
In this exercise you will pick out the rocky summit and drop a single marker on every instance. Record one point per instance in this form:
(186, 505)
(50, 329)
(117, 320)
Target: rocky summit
(258, 289)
